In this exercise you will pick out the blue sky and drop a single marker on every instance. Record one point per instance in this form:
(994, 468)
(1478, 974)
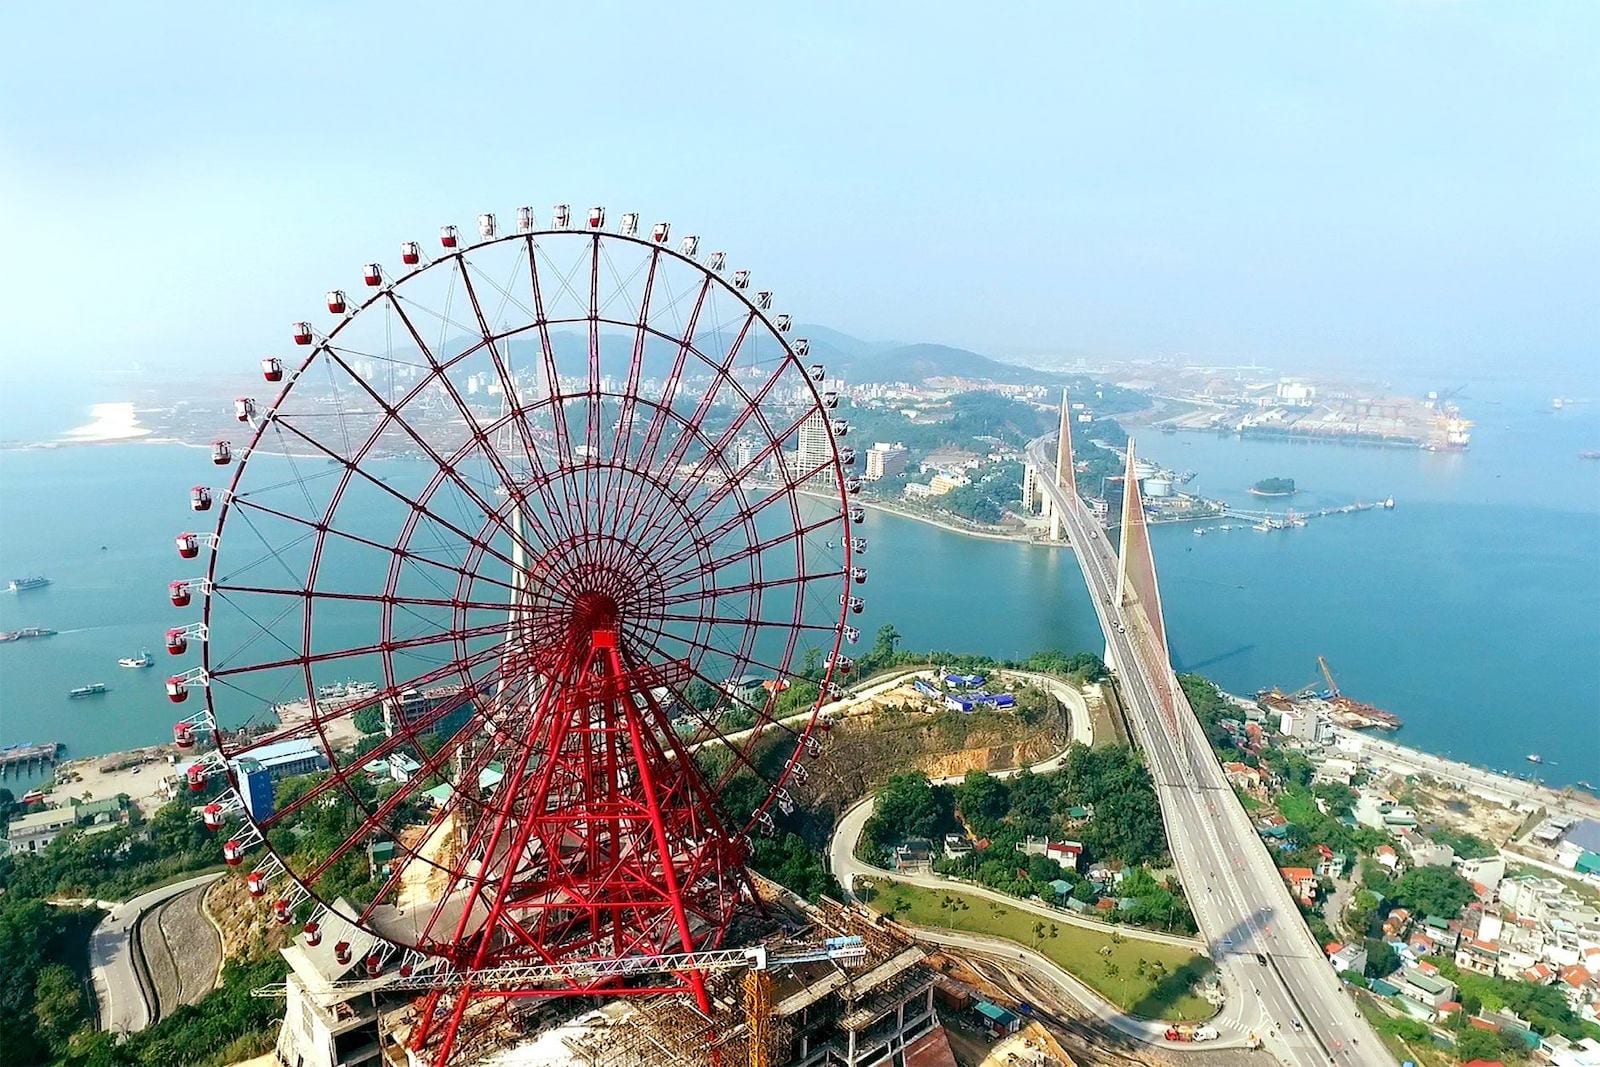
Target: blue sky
(1372, 183)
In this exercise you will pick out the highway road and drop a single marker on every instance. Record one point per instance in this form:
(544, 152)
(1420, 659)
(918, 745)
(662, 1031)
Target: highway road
(1240, 902)
(124, 1008)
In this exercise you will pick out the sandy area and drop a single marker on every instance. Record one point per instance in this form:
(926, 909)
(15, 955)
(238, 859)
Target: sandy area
(137, 773)
(109, 422)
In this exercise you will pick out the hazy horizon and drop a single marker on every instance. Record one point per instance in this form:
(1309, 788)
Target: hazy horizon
(1389, 187)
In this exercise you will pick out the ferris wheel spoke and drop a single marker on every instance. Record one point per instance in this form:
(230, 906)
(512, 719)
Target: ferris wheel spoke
(490, 514)
(744, 554)
(375, 818)
(552, 376)
(385, 550)
(714, 496)
(409, 733)
(664, 411)
(799, 581)
(685, 343)
(728, 741)
(481, 441)
(783, 493)
(466, 634)
(513, 403)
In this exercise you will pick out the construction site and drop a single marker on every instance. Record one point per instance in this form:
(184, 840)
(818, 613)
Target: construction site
(815, 985)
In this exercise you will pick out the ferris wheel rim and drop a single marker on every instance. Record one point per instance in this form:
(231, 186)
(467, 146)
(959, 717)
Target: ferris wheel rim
(326, 348)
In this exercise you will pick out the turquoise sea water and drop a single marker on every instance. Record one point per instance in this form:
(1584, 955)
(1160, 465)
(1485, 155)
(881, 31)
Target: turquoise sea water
(1472, 609)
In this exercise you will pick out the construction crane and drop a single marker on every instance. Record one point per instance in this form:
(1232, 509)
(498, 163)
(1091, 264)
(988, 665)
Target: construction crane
(1327, 676)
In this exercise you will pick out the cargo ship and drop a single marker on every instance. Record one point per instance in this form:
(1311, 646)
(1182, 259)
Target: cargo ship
(25, 633)
(92, 690)
(22, 585)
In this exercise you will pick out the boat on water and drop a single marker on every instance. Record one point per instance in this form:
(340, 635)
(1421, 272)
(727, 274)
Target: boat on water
(1534, 757)
(92, 690)
(143, 659)
(1199, 531)
(1388, 503)
(1589, 453)
(25, 633)
(33, 796)
(22, 585)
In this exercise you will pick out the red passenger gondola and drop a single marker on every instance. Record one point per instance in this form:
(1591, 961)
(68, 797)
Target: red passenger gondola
(372, 274)
(196, 777)
(449, 236)
(177, 641)
(313, 932)
(255, 884)
(272, 369)
(341, 952)
(597, 218)
(336, 301)
(200, 498)
(178, 591)
(244, 409)
(280, 912)
(221, 453)
(211, 814)
(410, 253)
(232, 853)
(374, 965)
(302, 333)
(183, 737)
(188, 545)
(176, 691)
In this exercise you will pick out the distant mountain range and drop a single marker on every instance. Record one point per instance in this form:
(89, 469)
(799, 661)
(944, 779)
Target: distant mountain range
(867, 362)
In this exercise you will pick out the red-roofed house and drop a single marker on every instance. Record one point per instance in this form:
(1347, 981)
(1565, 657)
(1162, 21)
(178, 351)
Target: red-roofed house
(1578, 984)
(1242, 776)
(1539, 974)
(1302, 882)
(1388, 858)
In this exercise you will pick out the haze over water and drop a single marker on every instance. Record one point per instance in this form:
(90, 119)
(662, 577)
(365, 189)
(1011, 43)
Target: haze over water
(1469, 610)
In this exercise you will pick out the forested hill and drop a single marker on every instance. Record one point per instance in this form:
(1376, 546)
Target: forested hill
(863, 363)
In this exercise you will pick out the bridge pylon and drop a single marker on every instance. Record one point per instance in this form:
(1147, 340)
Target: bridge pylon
(1066, 478)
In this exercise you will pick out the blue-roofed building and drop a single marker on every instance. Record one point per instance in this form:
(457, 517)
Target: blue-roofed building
(925, 687)
(962, 704)
(284, 759)
(995, 1020)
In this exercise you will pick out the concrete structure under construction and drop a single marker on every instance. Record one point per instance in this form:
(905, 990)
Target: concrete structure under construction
(815, 1014)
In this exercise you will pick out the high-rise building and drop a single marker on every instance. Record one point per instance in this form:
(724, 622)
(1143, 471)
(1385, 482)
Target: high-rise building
(1030, 489)
(886, 460)
(816, 448)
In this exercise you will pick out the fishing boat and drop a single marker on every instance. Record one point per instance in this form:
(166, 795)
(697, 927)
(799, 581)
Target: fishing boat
(143, 659)
(91, 690)
(1534, 757)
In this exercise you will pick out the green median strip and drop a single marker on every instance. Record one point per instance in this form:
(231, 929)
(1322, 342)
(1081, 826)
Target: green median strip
(1143, 978)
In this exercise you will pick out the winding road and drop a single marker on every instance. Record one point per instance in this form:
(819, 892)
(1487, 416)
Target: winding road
(119, 977)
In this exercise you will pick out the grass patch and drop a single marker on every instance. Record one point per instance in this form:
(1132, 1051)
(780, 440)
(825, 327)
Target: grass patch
(1143, 978)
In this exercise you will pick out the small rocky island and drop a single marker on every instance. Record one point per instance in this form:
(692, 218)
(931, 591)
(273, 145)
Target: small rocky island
(1273, 487)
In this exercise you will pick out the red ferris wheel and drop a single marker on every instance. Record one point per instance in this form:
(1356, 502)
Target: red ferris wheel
(543, 557)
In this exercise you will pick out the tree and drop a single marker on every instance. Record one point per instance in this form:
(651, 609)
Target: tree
(59, 1005)
(1363, 909)
(885, 644)
(982, 798)
(369, 720)
(1434, 891)
(908, 806)
(1475, 1044)
(1381, 958)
